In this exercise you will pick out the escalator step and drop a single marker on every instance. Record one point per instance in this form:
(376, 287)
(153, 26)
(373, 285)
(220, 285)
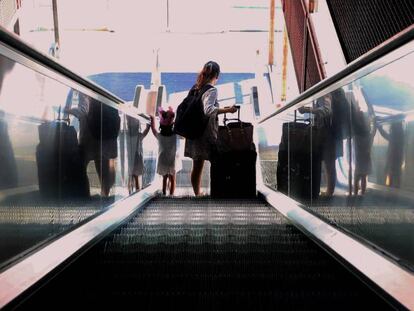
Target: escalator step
(208, 254)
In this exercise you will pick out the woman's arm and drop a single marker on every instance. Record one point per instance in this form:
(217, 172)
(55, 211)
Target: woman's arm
(321, 110)
(383, 132)
(145, 132)
(231, 109)
(209, 101)
(154, 130)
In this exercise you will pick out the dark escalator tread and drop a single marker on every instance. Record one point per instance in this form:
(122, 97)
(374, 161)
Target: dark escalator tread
(208, 254)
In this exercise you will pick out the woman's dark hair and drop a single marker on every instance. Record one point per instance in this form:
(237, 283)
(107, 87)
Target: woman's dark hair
(210, 71)
(166, 130)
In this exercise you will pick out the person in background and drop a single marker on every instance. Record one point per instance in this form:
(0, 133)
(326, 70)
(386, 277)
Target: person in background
(135, 155)
(167, 148)
(200, 149)
(395, 152)
(363, 139)
(8, 164)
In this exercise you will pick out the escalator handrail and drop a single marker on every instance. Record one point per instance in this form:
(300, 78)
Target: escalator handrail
(13, 42)
(27, 50)
(380, 51)
(18, 280)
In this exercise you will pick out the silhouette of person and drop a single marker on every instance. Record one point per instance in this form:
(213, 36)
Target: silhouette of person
(200, 149)
(395, 152)
(167, 149)
(135, 154)
(330, 126)
(363, 139)
(99, 127)
(8, 166)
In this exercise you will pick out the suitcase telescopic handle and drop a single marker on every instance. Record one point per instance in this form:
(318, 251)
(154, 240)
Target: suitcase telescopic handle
(63, 118)
(297, 120)
(225, 119)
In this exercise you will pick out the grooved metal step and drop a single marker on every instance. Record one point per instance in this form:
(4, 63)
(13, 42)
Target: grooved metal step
(207, 254)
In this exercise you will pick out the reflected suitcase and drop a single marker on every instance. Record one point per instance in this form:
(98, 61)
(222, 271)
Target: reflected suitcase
(233, 174)
(60, 165)
(299, 163)
(298, 175)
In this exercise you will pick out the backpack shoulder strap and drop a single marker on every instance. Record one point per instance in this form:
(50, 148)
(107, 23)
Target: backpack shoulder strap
(204, 89)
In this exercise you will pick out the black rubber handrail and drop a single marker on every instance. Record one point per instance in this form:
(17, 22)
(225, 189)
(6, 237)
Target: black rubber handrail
(386, 47)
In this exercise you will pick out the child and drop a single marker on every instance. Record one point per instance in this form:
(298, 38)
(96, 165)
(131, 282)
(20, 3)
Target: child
(167, 148)
(363, 139)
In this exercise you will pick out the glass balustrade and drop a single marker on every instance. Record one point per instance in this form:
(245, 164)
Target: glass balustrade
(66, 154)
(348, 156)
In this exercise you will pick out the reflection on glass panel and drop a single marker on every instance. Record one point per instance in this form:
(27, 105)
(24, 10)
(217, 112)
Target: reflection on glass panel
(99, 127)
(269, 136)
(63, 157)
(364, 134)
(140, 160)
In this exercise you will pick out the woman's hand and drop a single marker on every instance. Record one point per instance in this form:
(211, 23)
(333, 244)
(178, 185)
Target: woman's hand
(231, 109)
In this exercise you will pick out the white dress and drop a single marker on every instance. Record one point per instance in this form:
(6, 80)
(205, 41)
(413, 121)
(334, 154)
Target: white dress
(167, 153)
(200, 148)
(137, 159)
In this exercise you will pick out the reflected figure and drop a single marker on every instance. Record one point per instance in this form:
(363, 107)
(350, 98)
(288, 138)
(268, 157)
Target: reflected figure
(331, 118)
(6, 65)
(395, 152)
(8, 166)
(363, 140)
(135, 152)
(99, 128)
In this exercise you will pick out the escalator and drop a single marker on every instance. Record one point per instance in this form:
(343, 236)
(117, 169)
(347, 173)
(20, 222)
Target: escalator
(201, 253)
(209, 254)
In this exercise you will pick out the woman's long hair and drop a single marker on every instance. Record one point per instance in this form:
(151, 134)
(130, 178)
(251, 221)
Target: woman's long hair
(210, 71)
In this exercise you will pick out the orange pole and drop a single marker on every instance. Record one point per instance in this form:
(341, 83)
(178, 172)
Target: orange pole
(284, 64)
(55, 22)
(272, 32)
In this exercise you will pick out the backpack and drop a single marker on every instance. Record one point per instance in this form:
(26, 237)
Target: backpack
(101, 114)
(190, 120)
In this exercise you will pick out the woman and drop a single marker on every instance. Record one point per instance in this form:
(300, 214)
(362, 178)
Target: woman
(200, 149)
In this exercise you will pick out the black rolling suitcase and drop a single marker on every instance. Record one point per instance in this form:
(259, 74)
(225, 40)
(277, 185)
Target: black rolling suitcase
(233, 174)
(60, 165)
(299, 161)
(233, 168)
